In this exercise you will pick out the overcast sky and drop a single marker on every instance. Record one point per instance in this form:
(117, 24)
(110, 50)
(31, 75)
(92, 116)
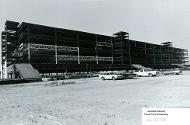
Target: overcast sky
(153, 21)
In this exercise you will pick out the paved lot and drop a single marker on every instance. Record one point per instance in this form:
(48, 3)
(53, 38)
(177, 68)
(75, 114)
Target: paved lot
(91, 101)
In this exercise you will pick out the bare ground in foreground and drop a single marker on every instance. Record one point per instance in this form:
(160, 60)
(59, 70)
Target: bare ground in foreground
(91, 101)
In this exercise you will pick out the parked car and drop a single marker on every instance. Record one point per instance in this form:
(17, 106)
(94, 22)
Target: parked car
(172, 72)
(126, 74)
(110, 75)
(177, 72)
(146, 72)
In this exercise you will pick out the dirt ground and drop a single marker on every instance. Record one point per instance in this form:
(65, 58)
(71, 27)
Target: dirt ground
(91, 101)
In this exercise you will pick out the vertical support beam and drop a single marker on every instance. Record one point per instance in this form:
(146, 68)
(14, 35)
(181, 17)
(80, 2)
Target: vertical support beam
(78, 55)
(169, 55)
(56, 62)
(161, 55)
(112, 50)
(172, 56)
(130, 59)
(96, 50)
(14, 72)
(55, 35)
(29, 53)
(154, 61)
(6, 74)
(187, 57)
(29, 56)
(1, 72)
(121, 49)
(5, 62)
(78, 48)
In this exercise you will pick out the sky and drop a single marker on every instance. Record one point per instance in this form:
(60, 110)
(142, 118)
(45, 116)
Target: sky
(153, 21)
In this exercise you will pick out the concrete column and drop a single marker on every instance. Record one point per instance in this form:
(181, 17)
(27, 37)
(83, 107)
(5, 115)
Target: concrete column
(56, 54)
(154, 59)
(55, 35)
(96, 51)
(78, 56)
(29, 52)
(1, 60)
(28, 44)
(77, 37)
(1, 71)
(6, 70)
(112, 49)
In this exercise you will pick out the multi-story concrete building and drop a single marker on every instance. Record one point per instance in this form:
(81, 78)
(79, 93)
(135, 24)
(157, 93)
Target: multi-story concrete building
(54, 50)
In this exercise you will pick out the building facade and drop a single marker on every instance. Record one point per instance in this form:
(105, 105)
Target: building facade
(54, 50)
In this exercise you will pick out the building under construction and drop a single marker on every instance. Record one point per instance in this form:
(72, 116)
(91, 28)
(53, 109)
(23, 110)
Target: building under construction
(56, 50)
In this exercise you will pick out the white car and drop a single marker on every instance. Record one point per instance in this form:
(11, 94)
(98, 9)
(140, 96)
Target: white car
(146, 72)
(110, 75)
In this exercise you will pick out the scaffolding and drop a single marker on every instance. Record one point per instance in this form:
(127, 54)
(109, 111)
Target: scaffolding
(121, 48)
(173, 56)
(9, 46)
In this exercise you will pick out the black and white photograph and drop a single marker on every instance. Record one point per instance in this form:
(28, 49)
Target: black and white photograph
(94, 62)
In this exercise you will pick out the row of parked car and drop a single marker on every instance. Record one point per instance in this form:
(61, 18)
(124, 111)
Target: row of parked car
(147, 72)
(139, 73)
